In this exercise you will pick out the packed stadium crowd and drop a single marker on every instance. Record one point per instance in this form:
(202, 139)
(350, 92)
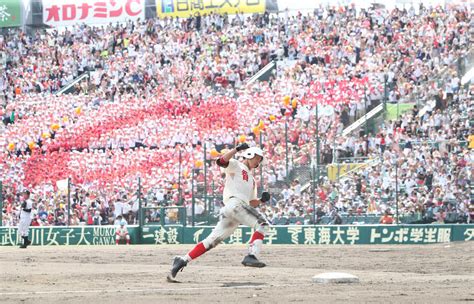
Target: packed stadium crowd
(163, 93)
(427, 152)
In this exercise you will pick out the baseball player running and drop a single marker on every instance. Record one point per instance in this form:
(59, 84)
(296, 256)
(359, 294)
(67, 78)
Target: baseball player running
(240, 201)
(25, 219)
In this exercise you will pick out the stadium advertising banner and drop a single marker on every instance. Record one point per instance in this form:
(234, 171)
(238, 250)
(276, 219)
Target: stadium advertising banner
(187, 8)
(77, 235)
(298, 235)
(69, 12)
(320, 235)
(10, 13)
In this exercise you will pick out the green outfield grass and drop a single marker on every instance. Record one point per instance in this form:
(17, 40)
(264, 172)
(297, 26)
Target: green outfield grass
(402, 108)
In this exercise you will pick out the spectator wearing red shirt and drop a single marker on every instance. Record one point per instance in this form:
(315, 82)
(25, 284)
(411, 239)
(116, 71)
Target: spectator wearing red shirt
(386, 219)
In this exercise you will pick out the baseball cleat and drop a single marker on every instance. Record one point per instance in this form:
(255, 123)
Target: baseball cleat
(25, 243)
(252, 261)
(178, 264)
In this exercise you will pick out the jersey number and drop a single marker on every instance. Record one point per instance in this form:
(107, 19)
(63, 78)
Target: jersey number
(245, 176)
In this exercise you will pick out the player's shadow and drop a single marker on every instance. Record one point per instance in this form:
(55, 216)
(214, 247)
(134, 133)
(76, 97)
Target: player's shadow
(241, 284)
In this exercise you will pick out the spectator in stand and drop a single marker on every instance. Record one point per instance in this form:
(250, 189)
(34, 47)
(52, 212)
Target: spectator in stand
(146, 77)
(387, 218)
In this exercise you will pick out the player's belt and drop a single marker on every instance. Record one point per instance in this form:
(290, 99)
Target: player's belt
(27, 210)
(253, 211)
(260, 218)
(237, 198)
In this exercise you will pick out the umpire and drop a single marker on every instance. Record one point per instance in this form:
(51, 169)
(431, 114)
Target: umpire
(25, 219)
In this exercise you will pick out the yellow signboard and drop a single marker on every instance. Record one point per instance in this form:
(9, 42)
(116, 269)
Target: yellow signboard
(336, 171)
(187, 8)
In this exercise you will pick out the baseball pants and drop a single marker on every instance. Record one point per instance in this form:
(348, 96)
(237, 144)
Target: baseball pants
(24, 225)
(235, 213)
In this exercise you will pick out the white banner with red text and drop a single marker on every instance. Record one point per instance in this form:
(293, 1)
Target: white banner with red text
(70, 12)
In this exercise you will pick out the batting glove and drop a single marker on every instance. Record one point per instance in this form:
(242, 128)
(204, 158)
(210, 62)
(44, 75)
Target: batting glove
(265, 197)
(241, 147)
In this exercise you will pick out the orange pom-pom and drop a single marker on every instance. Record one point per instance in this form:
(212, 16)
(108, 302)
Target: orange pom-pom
(55, 127)
(294, 103)
(214, 153)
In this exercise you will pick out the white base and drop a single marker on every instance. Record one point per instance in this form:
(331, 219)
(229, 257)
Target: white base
(335, 277)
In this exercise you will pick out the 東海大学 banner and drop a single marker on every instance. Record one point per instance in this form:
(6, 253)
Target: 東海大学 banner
(10, 13)
(187, 8)
(319, 235)
(69, 12)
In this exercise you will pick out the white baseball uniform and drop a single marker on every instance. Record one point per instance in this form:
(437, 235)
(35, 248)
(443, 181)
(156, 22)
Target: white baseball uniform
(25, 218)
(239, 182)
(121, 232)
(239, 189)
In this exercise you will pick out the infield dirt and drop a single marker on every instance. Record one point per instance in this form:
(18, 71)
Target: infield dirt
(440, 273)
